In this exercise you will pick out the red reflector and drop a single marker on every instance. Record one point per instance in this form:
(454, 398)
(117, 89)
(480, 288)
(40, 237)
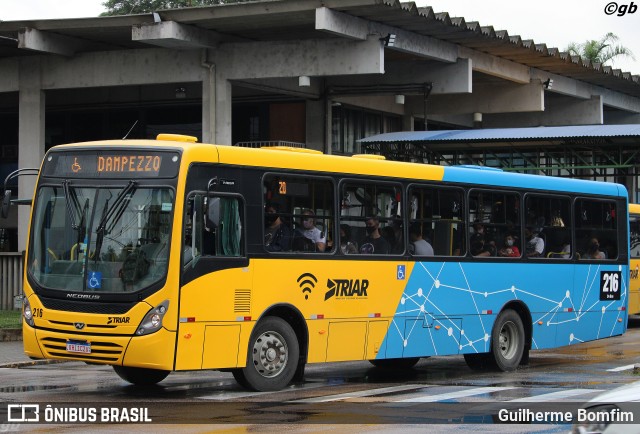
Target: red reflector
(489, 312)
(376, 315)
(191, 319)
(570, 309)
(320, 316)
(247, 318)
(623, 308)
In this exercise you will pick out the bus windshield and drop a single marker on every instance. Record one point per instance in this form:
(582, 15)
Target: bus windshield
(111, 239)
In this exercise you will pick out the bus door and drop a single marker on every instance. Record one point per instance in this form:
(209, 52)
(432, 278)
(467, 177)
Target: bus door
(216, 286)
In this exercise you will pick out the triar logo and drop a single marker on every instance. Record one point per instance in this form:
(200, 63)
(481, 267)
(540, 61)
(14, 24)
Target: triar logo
(346, 288)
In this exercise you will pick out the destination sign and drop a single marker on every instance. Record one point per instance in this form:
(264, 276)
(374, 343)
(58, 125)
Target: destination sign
(109, 164)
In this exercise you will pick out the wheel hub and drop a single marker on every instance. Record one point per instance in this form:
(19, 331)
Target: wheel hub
(270, 354)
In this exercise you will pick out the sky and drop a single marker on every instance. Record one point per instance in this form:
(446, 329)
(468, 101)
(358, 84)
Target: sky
(553, 22)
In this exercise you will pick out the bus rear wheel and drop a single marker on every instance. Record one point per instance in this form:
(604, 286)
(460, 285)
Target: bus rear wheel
(272, 357)
(507, 340)
(399, 364)
(140, 376)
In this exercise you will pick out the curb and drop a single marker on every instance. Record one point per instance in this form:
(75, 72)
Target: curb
(10, 335)
(31, 363)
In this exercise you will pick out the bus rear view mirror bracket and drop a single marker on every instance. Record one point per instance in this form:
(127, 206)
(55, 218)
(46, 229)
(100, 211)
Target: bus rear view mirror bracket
(6, 200)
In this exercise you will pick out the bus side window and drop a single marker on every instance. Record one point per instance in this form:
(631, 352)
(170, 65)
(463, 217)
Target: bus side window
(596, 229)
(299, 214)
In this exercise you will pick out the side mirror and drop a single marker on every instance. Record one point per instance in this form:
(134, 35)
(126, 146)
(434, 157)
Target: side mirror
(6, 203)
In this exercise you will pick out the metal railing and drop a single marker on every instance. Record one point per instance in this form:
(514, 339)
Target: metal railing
(261, 143)
(10, 279)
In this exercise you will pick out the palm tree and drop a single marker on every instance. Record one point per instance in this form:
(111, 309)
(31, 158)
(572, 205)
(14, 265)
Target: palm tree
(600, 51)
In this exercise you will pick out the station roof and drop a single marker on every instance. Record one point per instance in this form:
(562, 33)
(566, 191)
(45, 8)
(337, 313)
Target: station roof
(294, 20)
(492, 135)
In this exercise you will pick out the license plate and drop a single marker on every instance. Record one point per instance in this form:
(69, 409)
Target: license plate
(78, 347)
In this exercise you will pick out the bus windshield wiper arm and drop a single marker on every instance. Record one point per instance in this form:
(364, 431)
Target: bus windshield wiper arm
(67, 196)
(100, 233)
(106, 216)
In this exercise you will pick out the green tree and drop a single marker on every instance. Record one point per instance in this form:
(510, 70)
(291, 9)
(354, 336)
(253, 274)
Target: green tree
(600, 51)
(128, 7)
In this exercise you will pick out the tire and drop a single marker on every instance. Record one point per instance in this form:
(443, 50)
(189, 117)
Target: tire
(140, 376)
(395, 364)
(272, 356)
(507, 340)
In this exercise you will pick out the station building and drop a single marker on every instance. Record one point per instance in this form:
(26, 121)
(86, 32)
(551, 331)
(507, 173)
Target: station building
(319, 74)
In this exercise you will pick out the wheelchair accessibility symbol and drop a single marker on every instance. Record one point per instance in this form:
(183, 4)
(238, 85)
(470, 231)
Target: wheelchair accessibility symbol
(401, 272)
(94, 281)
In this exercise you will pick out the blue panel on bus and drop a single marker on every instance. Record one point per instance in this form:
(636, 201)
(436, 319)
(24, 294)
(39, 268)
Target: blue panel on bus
(506, 179)
(450, 307)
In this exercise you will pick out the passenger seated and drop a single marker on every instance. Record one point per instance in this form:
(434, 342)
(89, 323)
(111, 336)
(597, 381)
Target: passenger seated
(480, 246)
(418, 246)
(277, 236)
(535, 244)
(509, 250)
(593, 250)
(374, 242)
(346, 245)
(311, 232)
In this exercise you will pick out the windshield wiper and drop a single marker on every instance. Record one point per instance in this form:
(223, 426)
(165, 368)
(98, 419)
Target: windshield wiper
(100, 234)
(69, 196)
(117, 209)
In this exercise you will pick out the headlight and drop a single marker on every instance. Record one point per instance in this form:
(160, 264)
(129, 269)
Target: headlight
(26, 312)
(152, 321)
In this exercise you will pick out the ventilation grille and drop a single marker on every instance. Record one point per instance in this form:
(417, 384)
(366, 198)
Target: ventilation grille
(87, 306)
(242, 301)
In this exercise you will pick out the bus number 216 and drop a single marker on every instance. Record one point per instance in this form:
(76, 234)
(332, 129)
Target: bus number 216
(610, 285)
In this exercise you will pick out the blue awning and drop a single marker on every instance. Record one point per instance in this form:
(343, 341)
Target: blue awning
(507, 134)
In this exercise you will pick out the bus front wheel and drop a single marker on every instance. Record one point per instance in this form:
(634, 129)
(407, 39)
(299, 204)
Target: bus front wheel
(140, 376)
(272, 356)
(507, 340)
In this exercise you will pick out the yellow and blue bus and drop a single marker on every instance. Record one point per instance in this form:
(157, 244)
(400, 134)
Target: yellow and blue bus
(634, 263)
(169, 255)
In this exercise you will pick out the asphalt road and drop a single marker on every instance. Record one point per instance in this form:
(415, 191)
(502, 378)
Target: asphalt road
(441, 394)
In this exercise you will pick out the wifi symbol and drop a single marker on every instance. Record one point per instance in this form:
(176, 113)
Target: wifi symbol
(307, 282)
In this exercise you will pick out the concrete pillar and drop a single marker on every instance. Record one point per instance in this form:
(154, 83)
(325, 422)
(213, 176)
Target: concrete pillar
(209, 103)
(223, 100)
(315, 124)
(31, 123)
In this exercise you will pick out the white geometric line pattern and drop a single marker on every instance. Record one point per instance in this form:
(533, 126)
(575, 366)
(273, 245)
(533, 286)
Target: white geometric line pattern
(449, 308)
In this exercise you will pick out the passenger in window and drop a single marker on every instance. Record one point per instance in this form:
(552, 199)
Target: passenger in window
(374, 243)
(479, 248)
(593, 250)
(509, 250)
(277, 236)
(478, 230)
(311, 232)
(419, 246)
(347, 247)
(535, 244)
(480, 245)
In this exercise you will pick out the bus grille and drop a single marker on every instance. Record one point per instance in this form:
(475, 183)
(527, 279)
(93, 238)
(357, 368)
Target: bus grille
(86, 306)
(242, 301)
(101, 352)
